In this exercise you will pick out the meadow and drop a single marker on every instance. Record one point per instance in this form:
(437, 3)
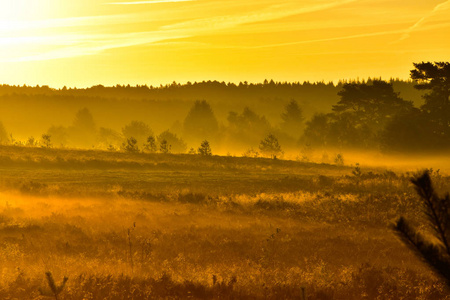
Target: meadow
(175, 226)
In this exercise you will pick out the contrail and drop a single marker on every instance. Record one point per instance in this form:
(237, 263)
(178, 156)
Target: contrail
(355, 36)
(418, 23)
(147, 2)
(348, 37)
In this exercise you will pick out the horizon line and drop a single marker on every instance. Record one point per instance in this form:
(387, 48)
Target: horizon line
(334, 82)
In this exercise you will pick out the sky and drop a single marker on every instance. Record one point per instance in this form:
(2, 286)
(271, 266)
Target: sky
(88, 42)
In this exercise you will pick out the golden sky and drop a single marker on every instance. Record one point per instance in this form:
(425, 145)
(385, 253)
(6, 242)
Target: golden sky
(88, 42)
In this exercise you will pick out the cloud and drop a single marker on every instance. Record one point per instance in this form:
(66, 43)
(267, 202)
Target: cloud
(270, 13)
(94, 44)
(79, 44)
(347, 37)
(437, 8)
(147, 2)
(25, 25)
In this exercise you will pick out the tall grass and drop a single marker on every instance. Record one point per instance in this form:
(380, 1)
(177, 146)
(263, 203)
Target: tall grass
(219, 229)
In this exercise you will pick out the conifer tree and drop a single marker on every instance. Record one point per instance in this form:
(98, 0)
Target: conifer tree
(437, 215)
(205, 149)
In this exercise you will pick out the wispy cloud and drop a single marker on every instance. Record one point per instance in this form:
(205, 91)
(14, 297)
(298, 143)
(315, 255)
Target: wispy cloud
(442, 6)
(312, 41)
(25, 25)
(339, 38)
(82, 44)
(211, 20)
(270, 13)
(95, 44)
(147, 2)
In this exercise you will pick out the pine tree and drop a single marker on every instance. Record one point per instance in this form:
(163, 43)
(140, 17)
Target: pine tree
(150, 146)
(205, 149)
(130, 145)
(437, 214)
(55, 289)
(164, 147)
(270, 146)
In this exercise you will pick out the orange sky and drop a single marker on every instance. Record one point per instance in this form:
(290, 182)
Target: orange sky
(87, 42)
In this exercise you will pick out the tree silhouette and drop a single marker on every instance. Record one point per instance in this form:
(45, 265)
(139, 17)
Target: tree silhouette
(204, 149)
(292, 119)
(177, 145)
(359, 118)
(435, 79)
(408, 132)
(31, 142)
(150, 145)
(108, 137)
(245, 128)
(317, 130)
(55, 289)
(164, 147)
(366, 109)
(437, 216)
(84, 120)
(83, 130)
(138, 130)
(427, 128)
(200, 122)
(46, 141)
(269, 146)
(130, 145)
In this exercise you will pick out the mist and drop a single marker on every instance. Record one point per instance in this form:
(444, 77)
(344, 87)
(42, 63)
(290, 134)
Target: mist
(222, 191)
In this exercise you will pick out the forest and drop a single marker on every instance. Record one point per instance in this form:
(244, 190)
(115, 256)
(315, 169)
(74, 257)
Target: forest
(392, 116)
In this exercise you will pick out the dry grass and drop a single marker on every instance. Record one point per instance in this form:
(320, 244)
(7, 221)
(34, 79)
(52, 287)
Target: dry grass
(208, 232)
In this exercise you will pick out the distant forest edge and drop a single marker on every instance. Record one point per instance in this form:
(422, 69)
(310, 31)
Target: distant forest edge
(269, 118)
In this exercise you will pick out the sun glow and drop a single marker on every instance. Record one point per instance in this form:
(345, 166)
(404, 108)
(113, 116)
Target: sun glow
(26, 10)
(160, 41)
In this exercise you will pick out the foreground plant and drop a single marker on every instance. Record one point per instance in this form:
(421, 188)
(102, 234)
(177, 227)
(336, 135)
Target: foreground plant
(437, 212)
(55, 290)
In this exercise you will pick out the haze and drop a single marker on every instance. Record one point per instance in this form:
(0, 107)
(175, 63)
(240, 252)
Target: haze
(202, 149)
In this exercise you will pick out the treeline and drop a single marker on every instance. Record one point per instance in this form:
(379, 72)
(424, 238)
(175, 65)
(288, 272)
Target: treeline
(130, 102)
(199, 127)
(374, 116)
(206, 89)
(370, 114)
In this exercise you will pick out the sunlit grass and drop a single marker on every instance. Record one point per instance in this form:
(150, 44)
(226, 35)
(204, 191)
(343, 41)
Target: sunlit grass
(212, 230)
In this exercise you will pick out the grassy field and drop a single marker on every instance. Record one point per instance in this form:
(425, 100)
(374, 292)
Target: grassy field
(151, 226)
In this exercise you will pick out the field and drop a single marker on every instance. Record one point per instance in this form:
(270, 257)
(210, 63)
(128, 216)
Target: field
(138, 226)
